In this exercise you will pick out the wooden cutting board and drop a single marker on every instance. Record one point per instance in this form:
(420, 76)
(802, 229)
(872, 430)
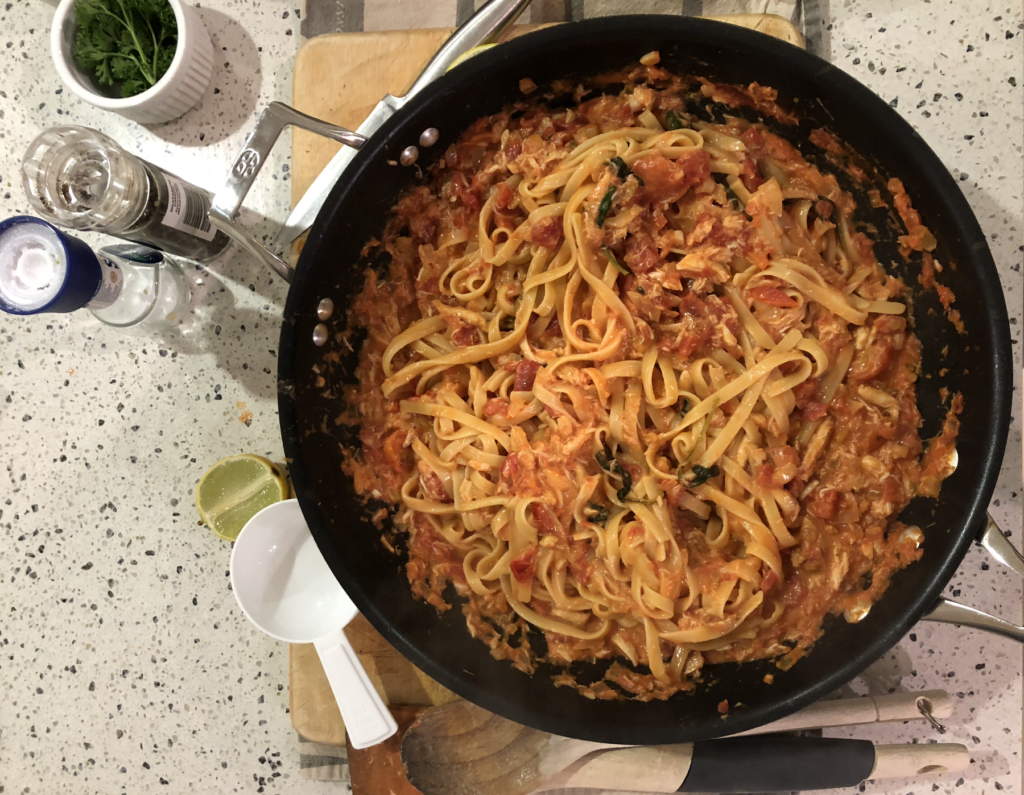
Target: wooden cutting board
(340, 78)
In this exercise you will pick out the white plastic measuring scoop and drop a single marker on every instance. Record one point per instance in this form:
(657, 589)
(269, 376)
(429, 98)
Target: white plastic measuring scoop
(284, 586)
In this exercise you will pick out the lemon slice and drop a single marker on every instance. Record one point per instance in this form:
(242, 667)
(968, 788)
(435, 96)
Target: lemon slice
(235, 489)
(469, 54)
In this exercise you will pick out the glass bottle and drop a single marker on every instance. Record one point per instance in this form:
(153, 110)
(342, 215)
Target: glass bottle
(130, 287)
(81, 179)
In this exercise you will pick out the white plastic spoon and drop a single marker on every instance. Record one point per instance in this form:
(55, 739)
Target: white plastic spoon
(284, 587)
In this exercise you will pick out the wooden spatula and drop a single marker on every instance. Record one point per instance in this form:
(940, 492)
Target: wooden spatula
(461, 749)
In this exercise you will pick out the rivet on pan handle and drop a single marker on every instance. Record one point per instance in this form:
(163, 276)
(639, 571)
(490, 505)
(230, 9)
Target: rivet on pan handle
(946, 611)
(247, 165)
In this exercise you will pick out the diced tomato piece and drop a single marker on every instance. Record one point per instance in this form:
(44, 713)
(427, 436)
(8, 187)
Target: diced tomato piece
(814, 411)
(871, 361)
(547, 522)
(641, 254)
(668, 180)
(804, 391)
(513, 147)
(753, 138)
(524, 565)
(510, 468)
(824, 504)
(432, 485)
(496, 407)
(460, 191)
(503, 196)
(608, 111)
(526, 372)
(547, 232)
(772, 296)
(764, 476)
(752, 178)
(465, 335)
(423, 227)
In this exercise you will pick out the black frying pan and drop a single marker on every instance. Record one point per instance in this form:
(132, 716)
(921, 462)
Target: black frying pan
(978, 364)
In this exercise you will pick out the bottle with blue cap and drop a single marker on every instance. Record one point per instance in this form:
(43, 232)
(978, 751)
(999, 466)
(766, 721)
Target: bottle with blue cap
(130, 287)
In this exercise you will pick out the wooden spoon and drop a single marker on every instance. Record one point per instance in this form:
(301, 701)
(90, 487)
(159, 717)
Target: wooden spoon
(461, 749)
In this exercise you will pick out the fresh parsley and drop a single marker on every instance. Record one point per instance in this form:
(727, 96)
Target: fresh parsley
(126, 42)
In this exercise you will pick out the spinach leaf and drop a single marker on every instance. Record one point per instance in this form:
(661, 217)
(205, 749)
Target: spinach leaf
(618, 266)
(610, 465)
(703, 474)
(627, 483)
(605, 206)
(672, 121)
(597, 514)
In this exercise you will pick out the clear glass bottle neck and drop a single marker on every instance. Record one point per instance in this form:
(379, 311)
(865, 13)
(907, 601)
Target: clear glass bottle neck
(154, 296)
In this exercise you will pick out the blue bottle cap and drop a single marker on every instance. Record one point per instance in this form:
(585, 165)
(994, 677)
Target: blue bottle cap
(75, 266)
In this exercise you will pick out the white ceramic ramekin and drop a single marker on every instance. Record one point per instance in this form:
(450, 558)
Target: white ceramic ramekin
(178, 90)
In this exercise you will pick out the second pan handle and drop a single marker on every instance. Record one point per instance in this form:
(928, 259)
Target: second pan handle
(946, 611)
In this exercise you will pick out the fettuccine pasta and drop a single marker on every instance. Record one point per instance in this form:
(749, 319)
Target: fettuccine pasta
(634, 381)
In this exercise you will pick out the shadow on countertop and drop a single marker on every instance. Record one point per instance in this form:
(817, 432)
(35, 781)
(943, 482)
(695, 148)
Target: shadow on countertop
(228, 103)
(242, 335)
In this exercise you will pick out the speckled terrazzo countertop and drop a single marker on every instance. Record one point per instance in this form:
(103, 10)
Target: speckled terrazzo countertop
(125, 665)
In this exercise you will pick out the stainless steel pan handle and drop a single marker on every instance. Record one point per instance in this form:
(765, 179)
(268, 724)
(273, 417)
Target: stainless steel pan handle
(946, 611)
(484, 27)
(247, 165)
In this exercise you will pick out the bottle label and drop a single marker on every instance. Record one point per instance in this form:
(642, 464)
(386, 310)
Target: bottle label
(110, 287)
(188, 209)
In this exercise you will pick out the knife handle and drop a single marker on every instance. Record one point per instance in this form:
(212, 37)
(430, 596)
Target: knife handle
(764, 763)
(778, 763)
(483, 27)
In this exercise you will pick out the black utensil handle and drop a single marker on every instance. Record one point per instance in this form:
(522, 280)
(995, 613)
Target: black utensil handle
(778, 763)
